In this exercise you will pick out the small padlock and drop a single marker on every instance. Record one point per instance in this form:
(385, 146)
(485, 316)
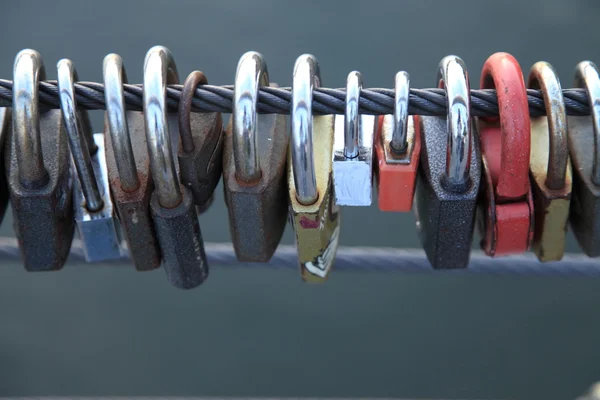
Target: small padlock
(314, 212)
(37, 167)
(171, 203)
(584, 148)
(254, 167)
(94, 212)
(353, 149)
(5, 127)
(505, 212)
(549, 166)
(128, 167)
(449, 173)
(397, 150)
(200, 152)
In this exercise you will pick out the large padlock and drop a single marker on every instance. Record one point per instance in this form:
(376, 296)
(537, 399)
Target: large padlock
(128, 167)
(505, 212)
(5, 127)
(314, 212)
(254, 167)
(172, 204)
(37, 167)
(449, 173)
(353, 150)
(200, 151)
(397, 150)
(550, 167)
(95, 217)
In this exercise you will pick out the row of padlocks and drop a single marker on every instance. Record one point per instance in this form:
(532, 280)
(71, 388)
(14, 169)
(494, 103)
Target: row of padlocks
(142, 182)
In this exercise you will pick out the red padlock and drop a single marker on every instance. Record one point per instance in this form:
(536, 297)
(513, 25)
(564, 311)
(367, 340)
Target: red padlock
(506, 207)
(397, 150)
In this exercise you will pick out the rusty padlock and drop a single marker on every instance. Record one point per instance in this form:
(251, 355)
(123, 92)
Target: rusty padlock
(505, 212)
(254, 167)
(200, 152)
(5, 126)
(129, 168)
(584, 148)
(397, 150)
(171, 204)
(37, 166)
(314, 212)
(550, 167)
(449, 173)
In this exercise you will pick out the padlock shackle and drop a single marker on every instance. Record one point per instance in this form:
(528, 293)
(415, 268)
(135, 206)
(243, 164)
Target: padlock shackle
(502, 72)
(115, 76)
(399, 142)
(586, 76)
(79, 132)
(251, 74)
(352, 118)
(159, 71)
(194, 79)
(307, 76)
(28, 71)
(542, 76)
(453, 78)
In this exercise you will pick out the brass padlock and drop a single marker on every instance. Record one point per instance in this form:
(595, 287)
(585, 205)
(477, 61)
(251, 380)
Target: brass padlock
(314, 212)
(550, 167)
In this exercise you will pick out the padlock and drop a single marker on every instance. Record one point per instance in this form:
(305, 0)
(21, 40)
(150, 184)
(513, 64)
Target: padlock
(397, 150)
(172, 204)
(95, 217)
(505, 210)
(584, 142)
(201, 146)
(254, 167)
(37, 167)
(353, 149)
(314, 212)
(549, 166)
(5, 126)
(449, 173)
(128, 167)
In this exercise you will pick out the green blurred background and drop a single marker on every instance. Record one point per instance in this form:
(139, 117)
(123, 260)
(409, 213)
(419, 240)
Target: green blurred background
(107, 330)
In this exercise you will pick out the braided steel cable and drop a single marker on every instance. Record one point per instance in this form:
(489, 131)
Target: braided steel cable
(271, 100)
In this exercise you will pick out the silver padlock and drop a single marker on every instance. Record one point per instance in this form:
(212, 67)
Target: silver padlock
(353, 149)
(94, 212)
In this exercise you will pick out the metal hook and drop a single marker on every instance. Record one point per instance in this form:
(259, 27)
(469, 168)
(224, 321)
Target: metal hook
(250, 75)
(543, 77)
(351, 116)
(160, 70)
(452, 76)
(79, 132)
(27, 73)
(194, 79)
(399, 142)
(586, 75)
(307, 75)
(114, 74)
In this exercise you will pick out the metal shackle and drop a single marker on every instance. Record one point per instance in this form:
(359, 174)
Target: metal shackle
(452, 76)
(114, 75)
(586, 76)
(27, 73)
(250, 75)
(542, 76)
(399, 142)
(307, 76)
(160, 70)
(194, 79)
(352, 118)
(79, 132)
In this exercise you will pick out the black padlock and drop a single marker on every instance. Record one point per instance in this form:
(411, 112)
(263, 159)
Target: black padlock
(37, 166)
(171, 203)
(449, 173)
(5, 127)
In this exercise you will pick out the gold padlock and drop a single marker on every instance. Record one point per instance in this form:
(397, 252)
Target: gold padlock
(314, 212)
(550, 166)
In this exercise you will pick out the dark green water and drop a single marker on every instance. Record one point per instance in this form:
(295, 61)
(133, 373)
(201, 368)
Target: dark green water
(106, 330)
